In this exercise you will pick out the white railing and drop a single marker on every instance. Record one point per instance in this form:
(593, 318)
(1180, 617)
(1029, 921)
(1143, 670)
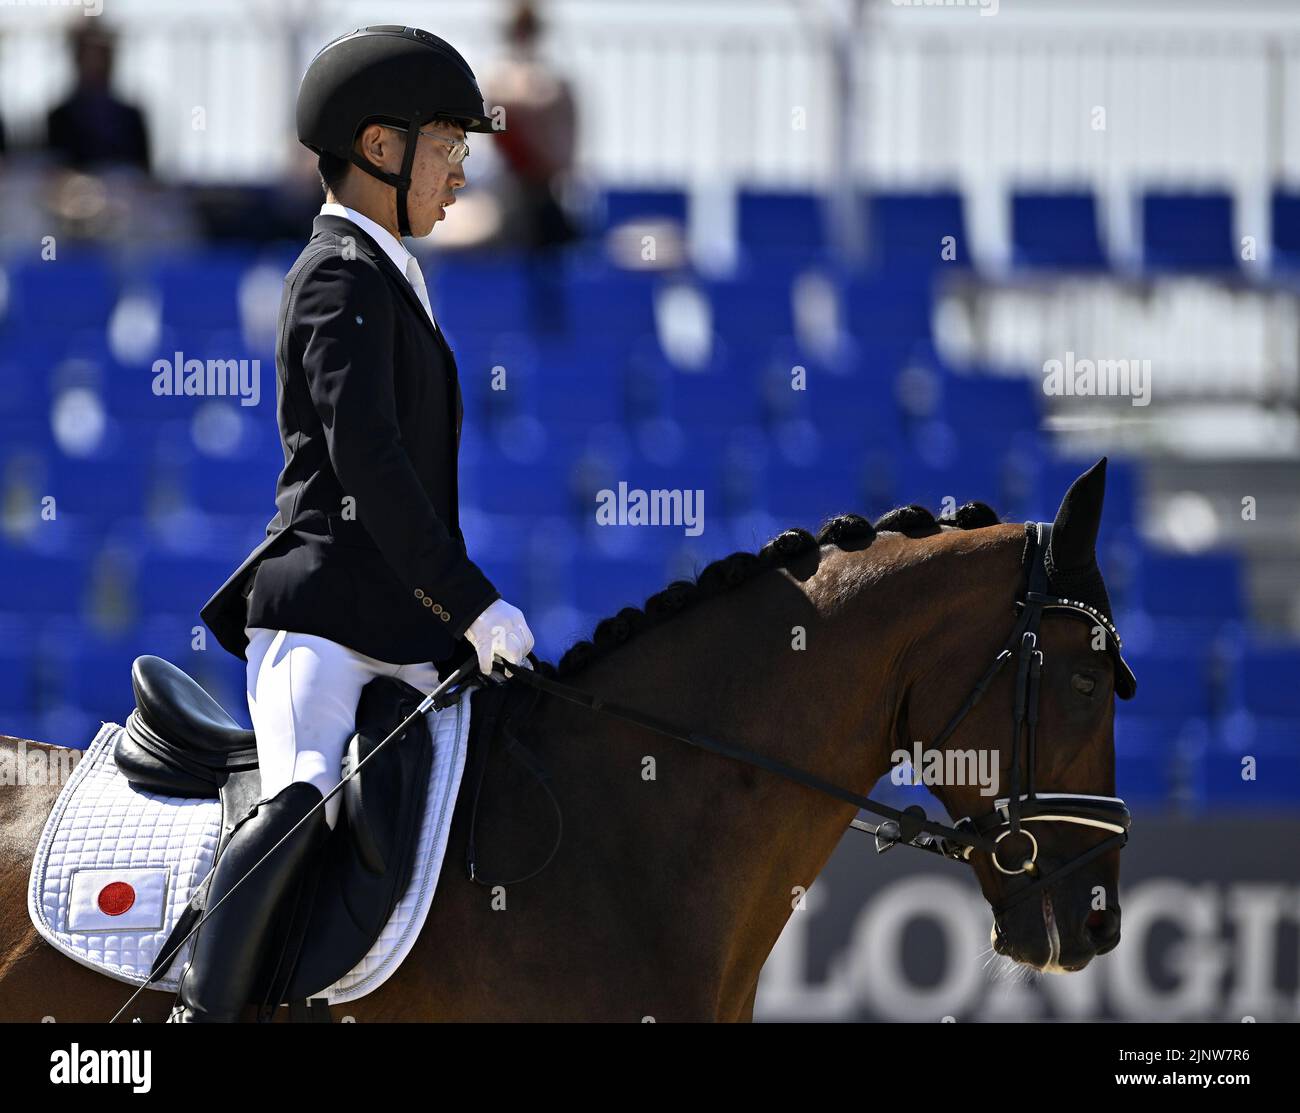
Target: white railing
(745, 91)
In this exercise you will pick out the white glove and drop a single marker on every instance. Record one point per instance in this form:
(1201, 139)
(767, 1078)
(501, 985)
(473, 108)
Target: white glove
(500, 630)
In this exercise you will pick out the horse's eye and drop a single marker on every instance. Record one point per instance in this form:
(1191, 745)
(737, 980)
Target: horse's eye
(1083, 684)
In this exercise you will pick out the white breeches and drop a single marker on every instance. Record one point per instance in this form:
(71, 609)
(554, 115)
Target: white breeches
(302, 694)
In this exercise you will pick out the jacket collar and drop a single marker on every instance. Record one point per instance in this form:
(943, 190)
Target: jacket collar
(392, 246)
(340, 226)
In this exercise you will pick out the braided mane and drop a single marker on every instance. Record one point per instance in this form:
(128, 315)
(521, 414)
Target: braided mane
(737, 568)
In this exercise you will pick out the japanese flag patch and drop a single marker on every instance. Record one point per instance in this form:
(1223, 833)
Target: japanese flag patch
(118, 899)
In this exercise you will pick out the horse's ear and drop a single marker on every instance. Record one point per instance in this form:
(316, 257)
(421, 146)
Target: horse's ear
(1074, 534)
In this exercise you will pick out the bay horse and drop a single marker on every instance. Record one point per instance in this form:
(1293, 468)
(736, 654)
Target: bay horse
(678, 868)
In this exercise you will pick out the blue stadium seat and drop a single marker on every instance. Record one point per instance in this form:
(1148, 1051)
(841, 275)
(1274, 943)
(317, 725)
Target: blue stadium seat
(27, 356)
(497, 485)
(607, 582)
(76, 290)
(907, 230)
(20, 722)
(1056, 230)
(742, 459)
(1286, 231)
(890, 305)
(662, 459)
(1148, 757)
(845, 407)
(237, 485)
(1206, 590)
(532, 394)
(1276, 774)
(604, 299)
(17, 662)
(66, 725)
(647, 378)
(619, 205)
(200, 290)
(137, 391)
(529, 558)
(92, 669)
(786, 224)
(708, 402)
(178, 583)
(51, 582)
(1269, 680)
(577, 382)
(104, 486)
(128, 389)
(547, 554)
(808, 478)
(995, 406)
(1174, 685)
(841, 399)
(487, 292)
(505, 567)
(481, 357)
(983, 428)
(1188, 232)
(741, 304)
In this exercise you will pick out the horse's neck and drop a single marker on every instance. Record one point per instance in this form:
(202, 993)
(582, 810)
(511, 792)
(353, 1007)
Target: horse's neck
(777, 671)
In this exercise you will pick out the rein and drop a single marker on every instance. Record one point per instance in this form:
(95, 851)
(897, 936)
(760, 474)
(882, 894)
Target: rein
(906, 820)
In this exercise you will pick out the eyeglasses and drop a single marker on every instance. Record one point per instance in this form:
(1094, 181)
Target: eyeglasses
(459, 148)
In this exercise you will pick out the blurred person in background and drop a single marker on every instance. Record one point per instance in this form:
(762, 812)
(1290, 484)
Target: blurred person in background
(537, 149)
(363, 572)
(93, 127)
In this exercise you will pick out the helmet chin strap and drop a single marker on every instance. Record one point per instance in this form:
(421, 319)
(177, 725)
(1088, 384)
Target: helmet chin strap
(400, 181)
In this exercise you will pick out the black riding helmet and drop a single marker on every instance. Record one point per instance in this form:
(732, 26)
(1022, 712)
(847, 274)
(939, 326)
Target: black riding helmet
(399, 76)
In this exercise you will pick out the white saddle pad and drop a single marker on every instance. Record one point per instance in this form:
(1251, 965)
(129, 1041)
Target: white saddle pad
(116, 867)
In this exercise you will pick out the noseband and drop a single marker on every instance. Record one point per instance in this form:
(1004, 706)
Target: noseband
(1010, 814)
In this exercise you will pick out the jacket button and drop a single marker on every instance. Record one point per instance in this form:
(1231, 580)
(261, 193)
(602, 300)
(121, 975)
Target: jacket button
(419, 594)
(428, 602)
(437, 608)
(446, 617)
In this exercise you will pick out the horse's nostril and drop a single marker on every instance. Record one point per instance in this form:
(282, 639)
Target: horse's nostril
(1102, 927)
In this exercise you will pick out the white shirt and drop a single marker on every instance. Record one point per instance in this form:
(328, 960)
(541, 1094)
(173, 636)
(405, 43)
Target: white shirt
(402, 259)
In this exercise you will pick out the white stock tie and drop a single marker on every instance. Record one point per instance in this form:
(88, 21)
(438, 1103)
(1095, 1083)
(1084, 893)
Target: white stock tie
(416, 278)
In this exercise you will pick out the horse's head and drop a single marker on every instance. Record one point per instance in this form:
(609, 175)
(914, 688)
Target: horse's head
(1048, 839)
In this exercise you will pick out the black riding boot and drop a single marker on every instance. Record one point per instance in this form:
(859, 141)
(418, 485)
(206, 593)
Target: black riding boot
(230, 949)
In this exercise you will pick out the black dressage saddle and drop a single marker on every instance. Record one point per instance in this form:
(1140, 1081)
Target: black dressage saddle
(180, 742)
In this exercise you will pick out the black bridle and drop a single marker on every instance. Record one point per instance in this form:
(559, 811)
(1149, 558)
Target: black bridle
(1010, 813)
(1006, 820)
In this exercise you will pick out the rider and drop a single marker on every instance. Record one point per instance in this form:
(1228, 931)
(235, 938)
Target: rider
(363, 572)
